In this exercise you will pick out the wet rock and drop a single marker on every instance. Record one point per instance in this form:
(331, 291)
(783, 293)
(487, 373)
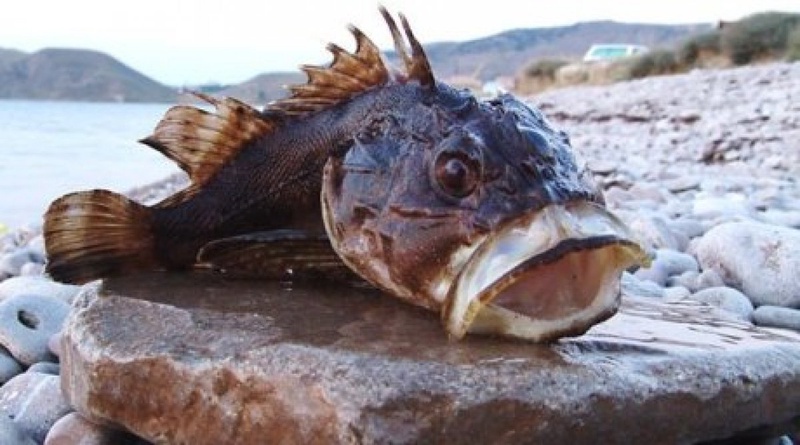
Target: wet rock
(199, 359)
(778, 317)
(11, 434)
(761, 260)
(8, 366)
(726, 298)
(26, 324)
(74, 429)
(34, 401)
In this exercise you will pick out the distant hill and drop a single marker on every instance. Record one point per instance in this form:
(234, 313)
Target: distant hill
(264, 87)
(503, 54)
(75, 74)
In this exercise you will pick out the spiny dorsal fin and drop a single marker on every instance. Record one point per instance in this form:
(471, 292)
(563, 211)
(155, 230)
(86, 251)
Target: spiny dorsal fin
(353, 73)
(201, 142)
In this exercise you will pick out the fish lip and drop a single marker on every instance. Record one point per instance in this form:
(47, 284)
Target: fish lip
(572, 254)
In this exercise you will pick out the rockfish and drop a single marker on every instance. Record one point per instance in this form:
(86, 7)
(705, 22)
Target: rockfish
(477, 210)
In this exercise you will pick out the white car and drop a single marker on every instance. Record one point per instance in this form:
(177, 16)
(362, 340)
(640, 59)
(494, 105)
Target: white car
(610, 51)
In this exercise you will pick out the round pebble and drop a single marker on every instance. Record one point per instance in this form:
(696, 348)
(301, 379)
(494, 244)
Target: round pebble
(761, 260)
(11, 263)
(38, 285)
(726, 298)
(35, 402)
(26, 324)
(9, 367)
(31, 269)
(45, 368)
(631, 285)
(74, 429)
(777, 317)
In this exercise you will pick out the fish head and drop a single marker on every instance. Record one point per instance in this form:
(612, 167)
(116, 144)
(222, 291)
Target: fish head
(479, 210)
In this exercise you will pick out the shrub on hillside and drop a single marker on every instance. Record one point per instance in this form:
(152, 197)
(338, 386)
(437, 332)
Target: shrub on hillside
(544, 68)
(793, 45)
(702, 44)
(659, 61)
(759, 35)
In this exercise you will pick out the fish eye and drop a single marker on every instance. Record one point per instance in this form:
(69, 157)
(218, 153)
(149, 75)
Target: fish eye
(457, 171)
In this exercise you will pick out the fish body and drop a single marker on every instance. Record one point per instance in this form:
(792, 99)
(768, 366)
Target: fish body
(477, 210)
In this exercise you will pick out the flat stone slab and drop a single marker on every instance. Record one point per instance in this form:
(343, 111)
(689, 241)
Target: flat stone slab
(201, 359)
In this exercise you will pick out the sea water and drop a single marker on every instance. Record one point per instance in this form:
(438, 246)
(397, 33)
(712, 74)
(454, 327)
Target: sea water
(48, 149)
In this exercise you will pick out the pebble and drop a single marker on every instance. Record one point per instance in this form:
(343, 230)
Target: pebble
(74, 429)
(11, 263)
(667, 263)
(38, 285)
(34, 401)
(45, 368)
(26, 324)
(761, 260)
(632, 285)
(726, 298)
(777, 317)
(9, 367)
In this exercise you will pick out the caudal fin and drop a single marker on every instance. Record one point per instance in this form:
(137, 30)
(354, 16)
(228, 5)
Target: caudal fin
(95, 234)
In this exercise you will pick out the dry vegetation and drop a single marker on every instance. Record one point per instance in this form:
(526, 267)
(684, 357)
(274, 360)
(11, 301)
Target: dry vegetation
(760, 37)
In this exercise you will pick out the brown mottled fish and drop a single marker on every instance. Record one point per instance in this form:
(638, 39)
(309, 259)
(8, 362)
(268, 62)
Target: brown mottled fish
(476, 210)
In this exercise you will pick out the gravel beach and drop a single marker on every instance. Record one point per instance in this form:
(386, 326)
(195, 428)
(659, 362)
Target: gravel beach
(703, 166)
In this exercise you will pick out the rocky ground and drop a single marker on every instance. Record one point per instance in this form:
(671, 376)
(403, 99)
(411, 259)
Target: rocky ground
(702, 166)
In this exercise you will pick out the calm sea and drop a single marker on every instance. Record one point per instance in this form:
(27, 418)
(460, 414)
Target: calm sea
(48, 149)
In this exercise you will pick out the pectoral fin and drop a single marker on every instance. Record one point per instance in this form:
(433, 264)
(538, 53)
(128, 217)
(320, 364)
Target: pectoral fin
(277, 254)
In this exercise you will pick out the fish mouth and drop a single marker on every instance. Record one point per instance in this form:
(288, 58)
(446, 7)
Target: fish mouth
(552, 273)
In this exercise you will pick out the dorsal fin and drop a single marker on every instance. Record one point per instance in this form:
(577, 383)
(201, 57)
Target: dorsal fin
(353, 73)
(201, 142)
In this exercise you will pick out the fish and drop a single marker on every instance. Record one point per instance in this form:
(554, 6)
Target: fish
(477, 210)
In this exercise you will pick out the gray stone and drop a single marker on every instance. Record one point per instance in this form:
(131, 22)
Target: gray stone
(201, 359)
(31, 269)
(676, 293)
(778, 317)
(9, 367)
(34, 401)
(11, 263)
(725, 208)
(655, 273)
(45, 368)
(726, 298)
(676, 263)
(37, 285)
(690, 227)
(11, 434)
(26, 324)
(761, 260)
(632, 285)
(74, 429)
(653, 230)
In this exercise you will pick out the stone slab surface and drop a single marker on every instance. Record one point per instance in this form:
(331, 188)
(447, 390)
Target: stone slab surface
(196, 359)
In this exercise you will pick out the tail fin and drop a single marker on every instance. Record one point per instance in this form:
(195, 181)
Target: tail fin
(96, 234)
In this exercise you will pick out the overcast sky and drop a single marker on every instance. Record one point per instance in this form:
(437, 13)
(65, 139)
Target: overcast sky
(196, 41)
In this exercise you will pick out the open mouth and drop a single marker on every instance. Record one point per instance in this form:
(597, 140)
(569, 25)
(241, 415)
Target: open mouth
(546, 275)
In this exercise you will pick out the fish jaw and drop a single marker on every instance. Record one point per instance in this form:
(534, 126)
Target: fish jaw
(548, 274)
